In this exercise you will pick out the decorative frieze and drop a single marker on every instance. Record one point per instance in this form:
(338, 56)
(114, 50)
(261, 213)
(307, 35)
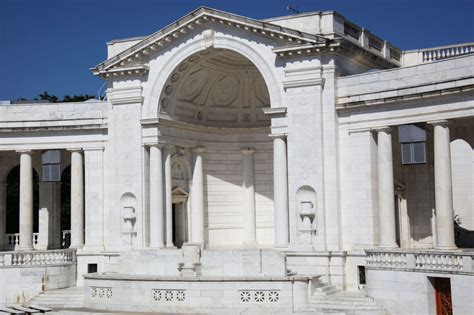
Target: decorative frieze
(259, 296)
(168, 296)
(101, 293)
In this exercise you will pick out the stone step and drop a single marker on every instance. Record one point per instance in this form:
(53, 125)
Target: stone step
(9, 310)
(62, 298)
(321, 301)
(24, 309)
(52, 298)
(325, 293)
(325, 288)
(339, 306)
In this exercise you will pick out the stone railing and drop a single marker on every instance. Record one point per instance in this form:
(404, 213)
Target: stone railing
(421, 56)
(37, 258)
(417, 260)
(12, 241)
(386, 259)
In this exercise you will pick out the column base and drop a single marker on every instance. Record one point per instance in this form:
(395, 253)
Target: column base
(93, 248)
(389, 246)
(446, 247)
(170, 246)
(159, 246)
(28, 248)
(78, 247)
(249, 244)
(281, 246)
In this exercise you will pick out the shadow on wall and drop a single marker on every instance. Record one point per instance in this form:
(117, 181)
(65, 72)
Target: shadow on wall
(464, 238)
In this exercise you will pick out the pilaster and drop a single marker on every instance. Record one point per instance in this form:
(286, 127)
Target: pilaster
(94, 199)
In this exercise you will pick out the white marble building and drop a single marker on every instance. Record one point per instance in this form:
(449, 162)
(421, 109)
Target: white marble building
(240, 164)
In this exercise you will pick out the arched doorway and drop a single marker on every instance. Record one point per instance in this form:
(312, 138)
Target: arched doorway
(13, 207)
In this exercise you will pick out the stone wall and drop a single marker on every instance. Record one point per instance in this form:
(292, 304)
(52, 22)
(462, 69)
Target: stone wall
(20, 284)
(53, 114)
(196, 295)
(412, 293)
(223, 197)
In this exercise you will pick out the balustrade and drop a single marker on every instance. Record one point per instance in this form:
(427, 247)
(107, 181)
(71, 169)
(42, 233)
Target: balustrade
(37, 258)
(421, 56)
(434, 261)
(430, 55)
(430, 261)
(12, 241)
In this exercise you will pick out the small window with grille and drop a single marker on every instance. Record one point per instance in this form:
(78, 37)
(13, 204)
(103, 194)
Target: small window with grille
(51, 161)
(412, 139)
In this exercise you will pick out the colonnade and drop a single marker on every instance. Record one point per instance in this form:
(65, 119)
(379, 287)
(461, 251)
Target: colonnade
(26, 200)
(443, 187)
(161, 225)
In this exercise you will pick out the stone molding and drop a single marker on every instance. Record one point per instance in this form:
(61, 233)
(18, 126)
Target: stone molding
(410, 93)
(128, 95)
(194, 20)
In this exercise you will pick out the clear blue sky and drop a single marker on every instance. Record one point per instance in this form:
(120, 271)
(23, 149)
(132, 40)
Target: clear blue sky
(49, 45)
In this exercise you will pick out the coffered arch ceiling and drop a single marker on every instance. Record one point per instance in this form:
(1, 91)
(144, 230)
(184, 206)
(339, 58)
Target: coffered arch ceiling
(216, 87)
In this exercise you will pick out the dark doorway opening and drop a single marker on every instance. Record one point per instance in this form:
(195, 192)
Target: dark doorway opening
(442, 287)
(180, 227)
(13, 201)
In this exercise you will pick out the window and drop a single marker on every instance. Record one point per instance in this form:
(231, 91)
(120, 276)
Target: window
(51, 161)
(91, 268)
(361, 270)
(412, 139)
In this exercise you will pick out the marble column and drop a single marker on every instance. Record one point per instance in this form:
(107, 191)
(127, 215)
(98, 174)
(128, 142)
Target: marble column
(168, 199)
(280, 194)
(157, 193)
(443, 186)
(386, 192)
(248, 191)
(77, 199)
(3, 214)
(197, 199)
(26, 201)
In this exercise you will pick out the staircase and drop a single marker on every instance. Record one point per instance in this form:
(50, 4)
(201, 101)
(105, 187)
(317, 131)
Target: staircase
(329, 300)
(60, 299)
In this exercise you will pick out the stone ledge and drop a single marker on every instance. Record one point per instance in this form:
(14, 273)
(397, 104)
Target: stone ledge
(127, 277)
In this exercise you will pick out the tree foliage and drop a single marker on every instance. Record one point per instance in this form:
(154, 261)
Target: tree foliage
(67, 98)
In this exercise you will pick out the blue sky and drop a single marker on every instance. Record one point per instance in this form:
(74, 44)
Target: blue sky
(49, 45)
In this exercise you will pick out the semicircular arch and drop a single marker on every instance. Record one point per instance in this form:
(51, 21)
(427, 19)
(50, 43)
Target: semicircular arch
(151, 106)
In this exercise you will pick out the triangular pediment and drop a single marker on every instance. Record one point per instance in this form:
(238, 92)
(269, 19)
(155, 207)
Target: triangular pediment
(178, 191)
(126, 61)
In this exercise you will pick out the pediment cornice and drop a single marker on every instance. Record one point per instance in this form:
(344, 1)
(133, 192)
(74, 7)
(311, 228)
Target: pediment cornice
(130, 61)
